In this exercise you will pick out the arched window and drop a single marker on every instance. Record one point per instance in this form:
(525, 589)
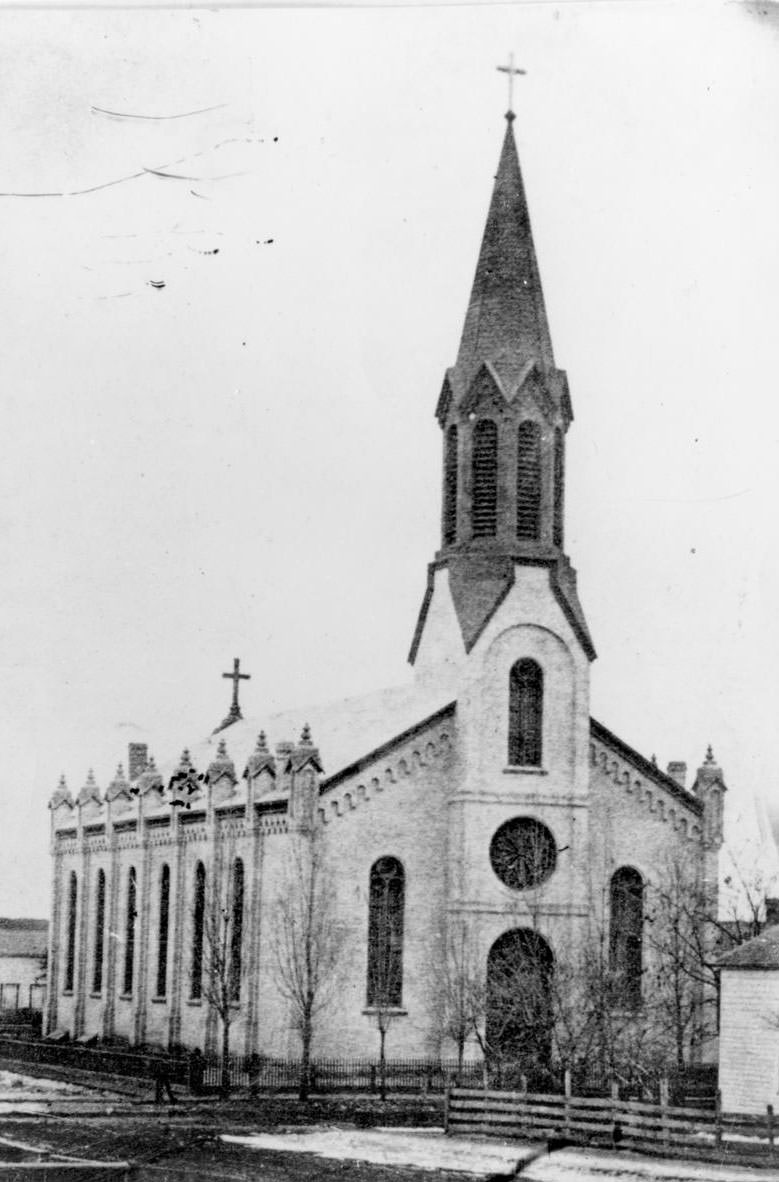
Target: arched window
(526, 711)
(385, 933)
(529, 480)
(129, 937)
(162, 932)
(450, 487)
(70, 950)
(198, 922)
(626, 934)
(484, 482)
(97, 963)
(559, 487)
(519, 1015)
(236, 933)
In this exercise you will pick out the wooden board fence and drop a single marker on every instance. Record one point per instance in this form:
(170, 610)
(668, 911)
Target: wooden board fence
(628, 1124)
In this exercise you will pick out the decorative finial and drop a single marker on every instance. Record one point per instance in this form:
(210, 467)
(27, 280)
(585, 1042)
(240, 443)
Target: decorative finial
(151, 765)
(305, 737)
(262, 741)
(90, 778)
(709, 755)
(512, 71)
(119, 772)
(62, 784)
(654, 760)
(185, 762)
(221, 750)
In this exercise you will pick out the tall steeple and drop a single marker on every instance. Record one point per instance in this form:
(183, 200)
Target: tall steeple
(506, 320)
(504, 410)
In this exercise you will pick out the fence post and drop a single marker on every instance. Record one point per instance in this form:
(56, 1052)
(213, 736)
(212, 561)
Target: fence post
(718, 1120)
(616, 1131)
(447, 1102)
(770, 1120)
(373, 1079)
(664, 1089)
(567, 1090)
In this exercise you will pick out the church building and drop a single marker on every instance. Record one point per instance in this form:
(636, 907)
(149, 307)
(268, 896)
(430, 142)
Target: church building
(480, 806)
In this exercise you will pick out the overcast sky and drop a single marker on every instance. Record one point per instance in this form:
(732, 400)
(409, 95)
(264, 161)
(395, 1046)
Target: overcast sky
(244, 461)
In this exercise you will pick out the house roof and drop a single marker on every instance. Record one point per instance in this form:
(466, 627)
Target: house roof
(761, 952)
(23, 937)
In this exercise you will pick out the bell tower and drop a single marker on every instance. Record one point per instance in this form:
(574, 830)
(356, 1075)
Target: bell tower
(504, 412)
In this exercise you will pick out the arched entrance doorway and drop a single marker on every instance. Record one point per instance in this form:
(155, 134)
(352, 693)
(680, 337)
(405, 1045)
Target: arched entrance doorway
(519, 1014)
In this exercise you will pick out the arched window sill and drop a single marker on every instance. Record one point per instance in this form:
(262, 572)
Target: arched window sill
(194, 1001)
(96, 994)
(67, 992)
(159, 1001)
(125, 996)
(394, 1011)
(523, 769)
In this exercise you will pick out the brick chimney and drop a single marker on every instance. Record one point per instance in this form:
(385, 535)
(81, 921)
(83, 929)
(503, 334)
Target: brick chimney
(137, 759)
(677, 770)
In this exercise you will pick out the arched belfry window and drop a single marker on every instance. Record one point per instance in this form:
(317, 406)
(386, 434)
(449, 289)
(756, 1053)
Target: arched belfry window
(385, 933)
(198, 924)
(70, 948)
(529, 480)
(626, 898)
(162, 932)
(131, 914)
(450, 486)
(97, 962)
(484, 479)
(236, 930)
(526, 713)
(559, 487)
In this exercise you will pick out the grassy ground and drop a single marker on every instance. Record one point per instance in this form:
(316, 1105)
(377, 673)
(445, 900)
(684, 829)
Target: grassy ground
(182, 1141)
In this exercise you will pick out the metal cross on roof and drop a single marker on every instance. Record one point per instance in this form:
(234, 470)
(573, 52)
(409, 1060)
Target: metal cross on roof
(512, 71)
(235, 710)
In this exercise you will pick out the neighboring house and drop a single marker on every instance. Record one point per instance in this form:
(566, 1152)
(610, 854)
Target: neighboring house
(23, 944)
(482, 797)
(749, 1024)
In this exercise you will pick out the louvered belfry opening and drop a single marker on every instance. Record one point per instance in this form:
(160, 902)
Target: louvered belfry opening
(484, 493)
(450, 487)
(529, 480)
(559, 486)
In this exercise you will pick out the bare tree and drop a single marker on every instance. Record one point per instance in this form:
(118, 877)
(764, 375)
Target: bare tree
(463, 992)
(307, 943)
(220, 922)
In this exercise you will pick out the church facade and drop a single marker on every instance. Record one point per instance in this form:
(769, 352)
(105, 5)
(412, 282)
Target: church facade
(481, 803)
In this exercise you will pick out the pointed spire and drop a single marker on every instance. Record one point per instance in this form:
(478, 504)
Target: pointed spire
(506, 321)
(260, 759)
(61, 794)
(221, 765)
(90, 791)
(119, 786)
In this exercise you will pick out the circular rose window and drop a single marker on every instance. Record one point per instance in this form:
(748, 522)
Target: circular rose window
(523, 853)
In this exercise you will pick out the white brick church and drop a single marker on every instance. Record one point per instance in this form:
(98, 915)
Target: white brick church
(483, 798)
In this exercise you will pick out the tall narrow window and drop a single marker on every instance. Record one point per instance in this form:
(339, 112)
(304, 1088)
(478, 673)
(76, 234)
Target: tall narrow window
(129, 937)
(626, 934)
(70, 951)
(484, 482)
(529, 480)
(97, 963)
(236, 932)
(162, 932)
(385, 933)
(450, 487)
(198, 922)
(559, 487)
(526, 713)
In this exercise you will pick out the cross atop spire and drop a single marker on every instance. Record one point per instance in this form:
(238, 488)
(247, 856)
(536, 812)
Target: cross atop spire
(512, 72)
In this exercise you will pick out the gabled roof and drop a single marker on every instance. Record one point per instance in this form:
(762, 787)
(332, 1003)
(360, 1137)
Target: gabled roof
(643, 765)
(761, 952)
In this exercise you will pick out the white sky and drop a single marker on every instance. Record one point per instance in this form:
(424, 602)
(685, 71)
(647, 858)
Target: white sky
(245, 462)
